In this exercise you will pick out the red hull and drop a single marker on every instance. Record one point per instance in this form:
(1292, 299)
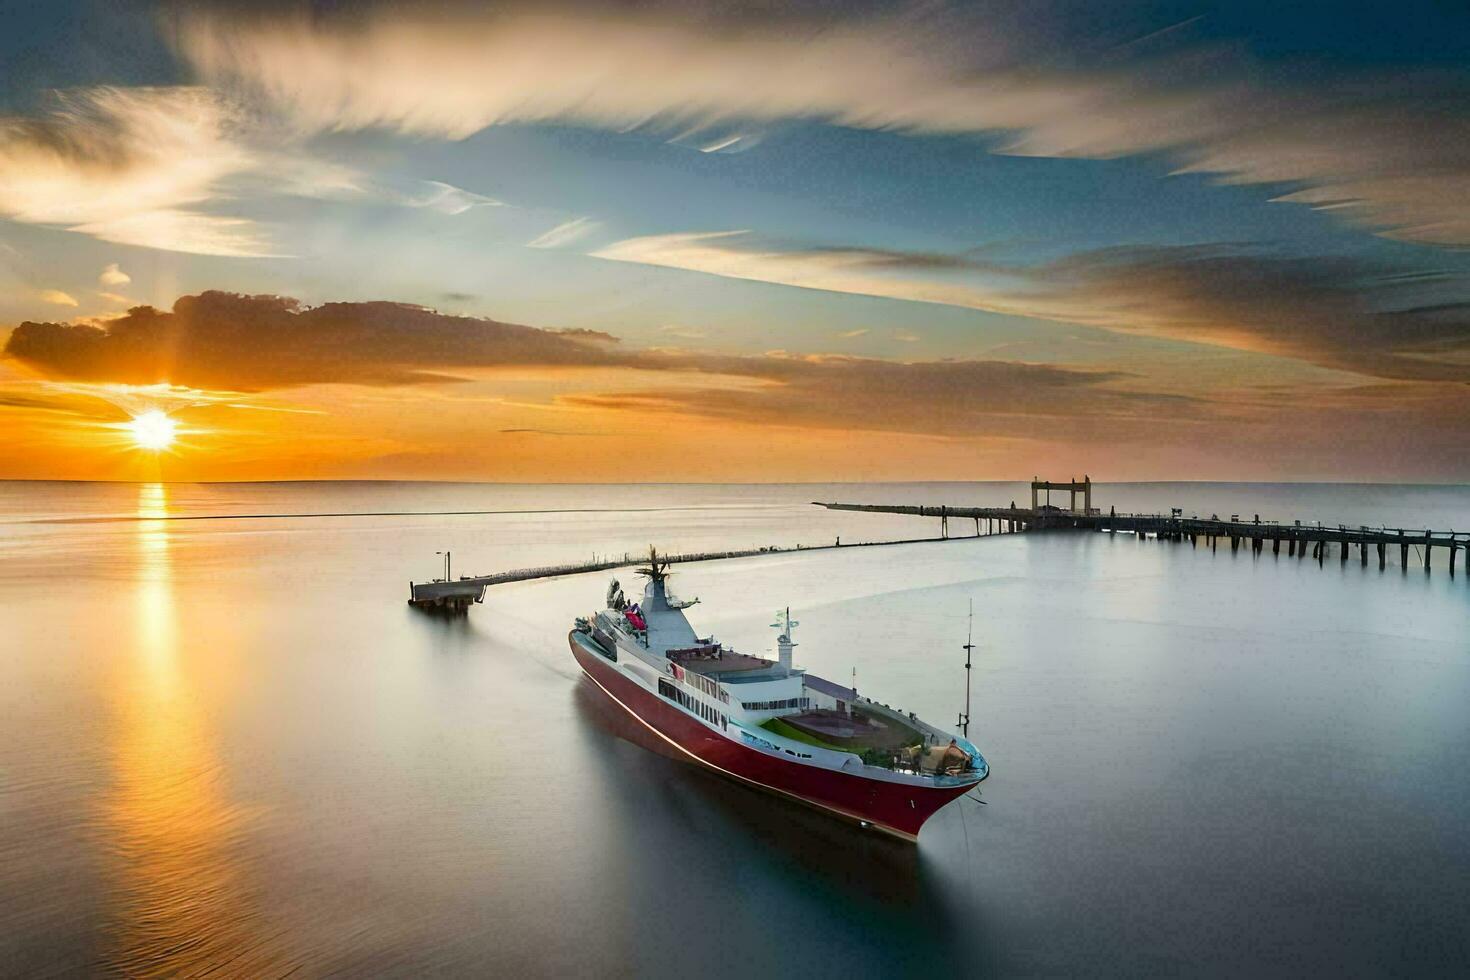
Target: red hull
(896, 808)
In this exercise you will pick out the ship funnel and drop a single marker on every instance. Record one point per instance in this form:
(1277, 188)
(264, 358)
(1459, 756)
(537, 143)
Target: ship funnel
(784, 642)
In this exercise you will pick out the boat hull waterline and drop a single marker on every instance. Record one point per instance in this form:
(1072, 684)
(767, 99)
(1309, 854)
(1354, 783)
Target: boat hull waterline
(898, 809)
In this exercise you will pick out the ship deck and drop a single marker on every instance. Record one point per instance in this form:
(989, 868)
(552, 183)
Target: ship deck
(727, 662)
(853, 731)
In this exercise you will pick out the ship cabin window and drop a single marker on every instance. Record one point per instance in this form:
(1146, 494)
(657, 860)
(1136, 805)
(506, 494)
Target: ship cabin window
(777, 705)
(692, 703)
(701, 683)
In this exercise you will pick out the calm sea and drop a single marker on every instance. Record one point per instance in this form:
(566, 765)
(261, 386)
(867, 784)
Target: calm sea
(228, 746)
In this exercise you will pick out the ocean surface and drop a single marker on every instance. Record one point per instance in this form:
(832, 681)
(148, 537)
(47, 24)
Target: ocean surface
(228, 747)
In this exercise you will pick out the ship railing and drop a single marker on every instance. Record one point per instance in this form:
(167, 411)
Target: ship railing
(791, 748)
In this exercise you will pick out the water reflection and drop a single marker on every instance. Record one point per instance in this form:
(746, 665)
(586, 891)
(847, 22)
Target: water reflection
(178, 903)
(882, 885)
(448, 633)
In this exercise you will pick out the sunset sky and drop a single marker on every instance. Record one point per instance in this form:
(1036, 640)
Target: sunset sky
(736, 241)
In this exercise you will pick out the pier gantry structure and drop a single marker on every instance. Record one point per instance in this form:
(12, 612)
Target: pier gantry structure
(1072, 488)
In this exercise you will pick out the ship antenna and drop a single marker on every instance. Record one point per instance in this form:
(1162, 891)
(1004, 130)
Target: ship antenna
(964, 719)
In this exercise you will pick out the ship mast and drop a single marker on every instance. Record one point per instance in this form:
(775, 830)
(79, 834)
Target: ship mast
(964, 720)
(657, 568)
(784, 642)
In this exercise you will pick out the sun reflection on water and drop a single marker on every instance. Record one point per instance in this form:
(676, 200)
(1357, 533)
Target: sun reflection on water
(180, 901)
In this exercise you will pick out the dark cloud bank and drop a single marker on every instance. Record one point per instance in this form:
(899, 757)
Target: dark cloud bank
(225, 341)
(248, 343)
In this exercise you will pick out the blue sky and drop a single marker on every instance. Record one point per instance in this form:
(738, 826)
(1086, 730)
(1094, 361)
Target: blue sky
(1247, 204)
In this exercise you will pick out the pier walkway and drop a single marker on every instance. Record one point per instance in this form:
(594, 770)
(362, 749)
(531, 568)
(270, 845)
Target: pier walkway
(456, 595)
(1298, 536)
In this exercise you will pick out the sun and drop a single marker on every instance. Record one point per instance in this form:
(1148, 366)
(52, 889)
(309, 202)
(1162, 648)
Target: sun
(152, 430)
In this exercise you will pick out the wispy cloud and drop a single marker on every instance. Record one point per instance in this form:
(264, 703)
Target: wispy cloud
(131, 399)
(928, 397)
(565, 233)
(127, 165)
(434, 195)
(113, 276)
(1333, 312)
(185, 231)
(245, 406)
(548, 432)
(709, 136)
(58, 298)
(720, 144)
(1385, 151)
(154, 167)
(863, 271)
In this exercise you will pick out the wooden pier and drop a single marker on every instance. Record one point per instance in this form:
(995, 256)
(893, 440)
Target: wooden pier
(457, 595)
(1298, 537)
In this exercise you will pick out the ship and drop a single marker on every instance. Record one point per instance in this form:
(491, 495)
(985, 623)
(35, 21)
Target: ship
(767, 723)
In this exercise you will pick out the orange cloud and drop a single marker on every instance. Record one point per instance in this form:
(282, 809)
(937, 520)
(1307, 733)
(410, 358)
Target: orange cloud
(58, 298)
